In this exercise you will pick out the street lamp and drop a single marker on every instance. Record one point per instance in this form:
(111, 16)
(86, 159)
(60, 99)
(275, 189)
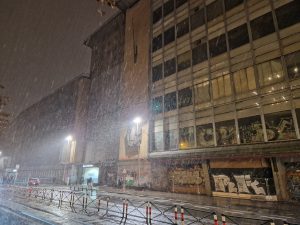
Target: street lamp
(137, 121)
(69, 138)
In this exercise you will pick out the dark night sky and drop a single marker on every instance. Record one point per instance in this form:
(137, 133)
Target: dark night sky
(41, 46)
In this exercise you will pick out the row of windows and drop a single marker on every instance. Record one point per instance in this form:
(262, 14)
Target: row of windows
(213, 10)
(287, 15)
(278, 126)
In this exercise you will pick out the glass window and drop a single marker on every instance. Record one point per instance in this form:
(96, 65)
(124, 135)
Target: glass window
(180, 3)
(157, 73)
(214, 10)
(280, 126)
(182, 27)
(168, 7)
(230, 4)
(221, 87)
(170, 101)
(156, 43)
(158, 143)
(185, 97)
(262, 26)
(183, 61)
(205, 135)
(169, 36)
(270, 72)
(238, 37)
(197, 18)
(199, 52)
(171, 139)
(201, 92)
(157, 15)
(186, 137)
(293, 64)
(226, 134)
(251, 130)
(288, 14)
(157, 105)
(244, 80)
(169, 67)
(217, 45)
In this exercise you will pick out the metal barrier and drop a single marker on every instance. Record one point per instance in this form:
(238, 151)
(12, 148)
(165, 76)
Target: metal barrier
(125, 210)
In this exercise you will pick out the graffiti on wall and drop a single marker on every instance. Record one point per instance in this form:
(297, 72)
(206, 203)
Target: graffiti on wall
(244, 181)
(225, 132)
(293, 179)
(251, 129)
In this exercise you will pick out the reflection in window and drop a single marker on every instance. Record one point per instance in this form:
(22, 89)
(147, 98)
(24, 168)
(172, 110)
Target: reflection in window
(168, 7)
(280, 126)
(293, 64)
(226, 133)
(197, 18)
(230, 4)
(157, 15)
(180, 3)
(170, 101)
(217, 45)
(157, 105)
(262, 26)
(158, 143)
(182, 28)
(157, 73)
(221, 87)
(186, 137)
(171, 139)
(202, 93)
(288, 14)
(169, 67)
(183, 61)
(199, 52)
(169, 36)
(251, 130)
(270, 72)
(244, 80)
(238, 37)
(205, 135)
(214, 10)
(156, 43)
(185, 97)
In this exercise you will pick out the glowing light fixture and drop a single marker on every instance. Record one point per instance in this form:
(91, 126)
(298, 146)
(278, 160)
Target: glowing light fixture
(69, 138)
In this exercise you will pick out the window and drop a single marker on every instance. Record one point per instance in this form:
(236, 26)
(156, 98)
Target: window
(244, 80)
(186, 137)
(171, 139)
(217, 45)
(270, 72)
(157, 73)
(214, 10)
(183, 61)
(199, 53)
(182, 28)
(170, 101)
(158, 143)
(157, 105)
(169, 67)
(197, 18)
(251, 130)
(230, 4)
(238, 37)
(221, 87)
(169, 36)
(168, 7)
(226, 134)
(288, 14)
(262, 26)
(185, 97)
(157, 43)
(201, 92)
(280, 126)
(180, 3)
(205, 135)
(293, 64)
(157, 15)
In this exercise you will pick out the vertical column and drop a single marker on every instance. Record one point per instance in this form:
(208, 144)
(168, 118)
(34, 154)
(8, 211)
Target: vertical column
(279, 174)
(205, 168)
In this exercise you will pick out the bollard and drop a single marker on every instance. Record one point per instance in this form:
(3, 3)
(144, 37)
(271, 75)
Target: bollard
(51, 195)
(86, 199)
(107, 200)
(147, 211)
(175, 215)
(83, 201)
(150, 212)
(215, 219)
(182, 216)
(285, 223)
(223, 219)
(126, 208)
(99, 200)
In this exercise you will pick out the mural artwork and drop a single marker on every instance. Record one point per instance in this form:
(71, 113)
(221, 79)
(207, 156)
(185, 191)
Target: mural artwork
(225, 132)
(293, 180)
(243, 181)
(251, 129)
(133, 139)
(205, 135)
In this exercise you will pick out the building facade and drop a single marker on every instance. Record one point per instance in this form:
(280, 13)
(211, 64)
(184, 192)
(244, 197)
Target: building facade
(224, 92)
